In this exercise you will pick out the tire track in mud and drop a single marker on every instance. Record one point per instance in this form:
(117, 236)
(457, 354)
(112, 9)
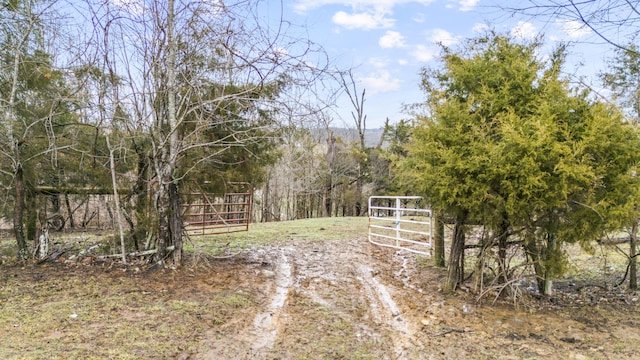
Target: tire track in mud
(255, 340)
(336, 266)
(310, 287)
(391, 315)
(266, 324)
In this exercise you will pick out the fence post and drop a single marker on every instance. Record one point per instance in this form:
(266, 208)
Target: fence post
(398, 219)
(438, 240)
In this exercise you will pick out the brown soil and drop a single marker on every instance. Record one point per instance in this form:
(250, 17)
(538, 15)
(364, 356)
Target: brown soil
(323, 300)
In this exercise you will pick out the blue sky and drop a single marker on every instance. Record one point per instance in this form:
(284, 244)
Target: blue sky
(387, 42)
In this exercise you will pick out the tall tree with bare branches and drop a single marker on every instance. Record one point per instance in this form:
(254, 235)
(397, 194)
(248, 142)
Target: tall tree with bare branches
(360, 122)
(34, 108)
(205, 80)
(613, 21)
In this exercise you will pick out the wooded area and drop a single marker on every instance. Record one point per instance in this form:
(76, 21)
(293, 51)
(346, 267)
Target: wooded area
(151, 98)
(147, 103)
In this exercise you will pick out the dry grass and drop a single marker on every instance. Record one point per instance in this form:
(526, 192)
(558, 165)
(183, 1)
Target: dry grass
(280, 234)
(59, 312)
(69, 310)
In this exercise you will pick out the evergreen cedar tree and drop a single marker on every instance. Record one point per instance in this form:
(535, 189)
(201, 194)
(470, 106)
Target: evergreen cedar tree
(508, 144)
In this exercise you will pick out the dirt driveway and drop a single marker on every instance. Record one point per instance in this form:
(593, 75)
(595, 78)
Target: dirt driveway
(311, 299)
(354, 300)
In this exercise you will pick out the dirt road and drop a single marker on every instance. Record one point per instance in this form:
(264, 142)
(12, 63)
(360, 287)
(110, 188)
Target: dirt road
(306, 298)
(354, 300)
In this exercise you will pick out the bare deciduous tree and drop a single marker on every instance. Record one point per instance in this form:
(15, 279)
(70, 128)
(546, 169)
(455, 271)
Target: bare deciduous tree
(613, 21)
(360, 121)
(205, 79)
(31, 100)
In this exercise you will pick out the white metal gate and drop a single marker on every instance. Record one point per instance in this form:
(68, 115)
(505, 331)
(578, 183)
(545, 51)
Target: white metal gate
(401, 222)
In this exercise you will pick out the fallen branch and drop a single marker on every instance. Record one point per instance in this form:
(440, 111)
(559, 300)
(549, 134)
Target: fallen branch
(137, 253)
(613, 241)
(226, 256)
(54, 255)
(591, 285)
(477, 246)
(449, 329)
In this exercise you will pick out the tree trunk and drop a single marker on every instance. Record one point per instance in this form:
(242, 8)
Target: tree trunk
(168, 153)
(633, 241)
(31, 212)
(165, 217)
(360, 121)
(329, 186)
(543, 277)
(175, 223)
(438, 241)
(163, 223)
(72, 224)
(455, 272)
(18, 225)
(502, 253)
(266, 203)
(359, 187)
(533, 252)
(139, 196)
(547, 285)
(116, 201)
(328, 201)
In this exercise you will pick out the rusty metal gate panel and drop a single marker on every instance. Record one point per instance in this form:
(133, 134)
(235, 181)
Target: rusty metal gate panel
(401, 222)
(210, 214)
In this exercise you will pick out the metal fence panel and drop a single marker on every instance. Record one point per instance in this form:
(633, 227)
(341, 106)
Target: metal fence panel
(211, 214)
(401, 222)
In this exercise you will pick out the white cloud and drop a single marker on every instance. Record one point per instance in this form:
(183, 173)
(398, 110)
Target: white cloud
(479, 28)
(402, 62)
(380, 82)
(574, 29)
(440, 36)
(419, 18)
(365, 21)
(364, 14)
(135, 7)
(279, 53)
(378, 63)
(423, 53)
(468, 5)
(303, 6)
(524, 30)
(392, 39)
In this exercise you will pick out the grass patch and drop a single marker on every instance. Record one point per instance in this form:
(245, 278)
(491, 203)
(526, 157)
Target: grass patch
(604, 261)
(259, 234)
(280, 233)
(233, 300)
(102, 314)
